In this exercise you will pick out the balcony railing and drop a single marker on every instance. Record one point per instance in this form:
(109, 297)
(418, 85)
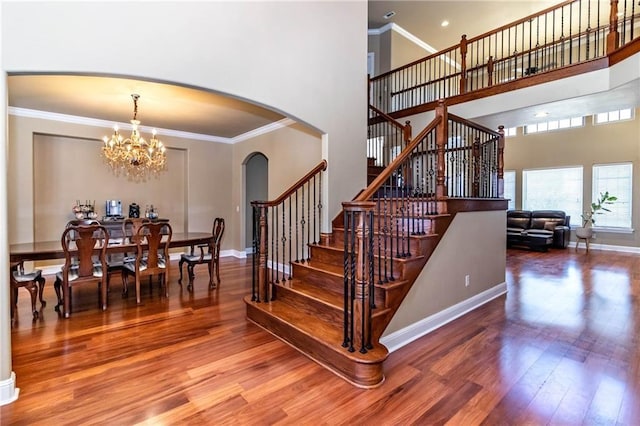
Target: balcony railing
(570, 33)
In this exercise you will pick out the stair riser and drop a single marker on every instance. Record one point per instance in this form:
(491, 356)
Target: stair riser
(362, 374)
(316, 308)
(417, 245)
(327, 255)
(318, 278)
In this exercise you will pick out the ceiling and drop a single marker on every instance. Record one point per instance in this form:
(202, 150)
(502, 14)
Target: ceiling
(162, 106)
(224, 118)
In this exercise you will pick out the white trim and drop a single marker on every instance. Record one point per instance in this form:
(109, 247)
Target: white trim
(285, 122)
(613, 230)
(412, 38)
(233, 253)
(280, 267)
(86, 121)
(8, 390)
(400, 338)
(607, 247)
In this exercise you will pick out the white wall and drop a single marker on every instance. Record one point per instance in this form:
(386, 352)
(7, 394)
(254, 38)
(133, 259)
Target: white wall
(304, 59)
(290, 56)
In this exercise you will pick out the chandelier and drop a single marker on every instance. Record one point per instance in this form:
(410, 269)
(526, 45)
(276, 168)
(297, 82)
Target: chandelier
(134, 156)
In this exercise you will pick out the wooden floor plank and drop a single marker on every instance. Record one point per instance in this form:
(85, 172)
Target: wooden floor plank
(561, 348)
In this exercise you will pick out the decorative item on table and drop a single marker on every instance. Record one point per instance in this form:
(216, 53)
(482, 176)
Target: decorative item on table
(134, 210)
(84, 211)
(151, 212)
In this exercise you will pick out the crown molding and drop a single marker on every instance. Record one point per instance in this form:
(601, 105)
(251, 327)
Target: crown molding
(285, 122)
(95, 122)
(392, 26)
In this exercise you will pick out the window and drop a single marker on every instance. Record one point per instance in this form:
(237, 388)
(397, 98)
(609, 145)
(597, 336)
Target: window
(617, 179)
(607, 117)
(554, 189)
(510, 131)
(510, 188)
(554, 125)
(374, 149)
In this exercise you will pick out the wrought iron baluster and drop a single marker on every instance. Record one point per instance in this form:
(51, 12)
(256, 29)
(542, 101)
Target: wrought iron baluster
(309, 219)
(315, 221)
(297, 233)
(302, 223)
(290, 241)
(274, 241)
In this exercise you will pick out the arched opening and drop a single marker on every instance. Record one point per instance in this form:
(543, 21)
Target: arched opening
(256, 188)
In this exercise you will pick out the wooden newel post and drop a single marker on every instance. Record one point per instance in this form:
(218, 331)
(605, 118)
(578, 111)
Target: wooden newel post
(361, 289)
(475, 149)
(613, 38)
(406, 132)
(463, 64)
(501, 162)
(441, 143)
(263, 252)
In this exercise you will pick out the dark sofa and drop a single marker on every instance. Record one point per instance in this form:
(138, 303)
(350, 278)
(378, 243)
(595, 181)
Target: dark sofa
(538, 229)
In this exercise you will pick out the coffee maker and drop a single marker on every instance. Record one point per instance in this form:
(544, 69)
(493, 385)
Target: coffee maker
(114, 209)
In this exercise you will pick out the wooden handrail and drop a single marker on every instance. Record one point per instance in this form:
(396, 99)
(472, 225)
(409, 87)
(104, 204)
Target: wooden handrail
(406, 153)
(387, 117)
(472, 124)
(322, 166)
(521, 21)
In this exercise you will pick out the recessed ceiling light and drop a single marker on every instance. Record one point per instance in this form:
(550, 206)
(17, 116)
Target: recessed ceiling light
(541, 114)
(444, 23)
(389, 14)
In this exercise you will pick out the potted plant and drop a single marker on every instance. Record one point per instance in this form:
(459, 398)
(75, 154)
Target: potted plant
(597, 207)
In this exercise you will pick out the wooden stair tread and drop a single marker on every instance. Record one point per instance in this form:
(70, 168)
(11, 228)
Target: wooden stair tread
(336, 270)
(328, 334)
(329, 297)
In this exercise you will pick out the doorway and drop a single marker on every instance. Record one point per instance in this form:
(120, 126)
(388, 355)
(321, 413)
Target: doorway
(257, 189)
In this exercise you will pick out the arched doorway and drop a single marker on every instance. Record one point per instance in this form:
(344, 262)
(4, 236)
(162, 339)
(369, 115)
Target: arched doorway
(256, 188)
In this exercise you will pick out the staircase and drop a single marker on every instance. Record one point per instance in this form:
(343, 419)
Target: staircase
(308, 312)
(331, 296)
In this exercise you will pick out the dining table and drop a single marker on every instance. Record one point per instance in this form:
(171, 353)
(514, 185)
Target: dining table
(45, 250)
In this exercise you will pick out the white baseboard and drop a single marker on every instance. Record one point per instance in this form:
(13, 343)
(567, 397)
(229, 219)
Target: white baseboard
(8, 390)
(606, 247)
(400, 338)
(234, 253)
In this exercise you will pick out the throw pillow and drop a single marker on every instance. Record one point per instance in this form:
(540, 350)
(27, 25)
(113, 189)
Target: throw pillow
(550, 226)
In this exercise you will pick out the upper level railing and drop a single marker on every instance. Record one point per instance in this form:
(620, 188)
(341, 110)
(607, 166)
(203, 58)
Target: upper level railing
(386, 137)
(570, 33)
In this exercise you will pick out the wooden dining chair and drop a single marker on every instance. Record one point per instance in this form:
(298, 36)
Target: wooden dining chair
(209, 254)
(152, 255)
(84, 248)
(34, 283)
(116, 261)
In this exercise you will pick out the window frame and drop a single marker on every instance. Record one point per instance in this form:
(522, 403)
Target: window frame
(576, 216)
(596, 190)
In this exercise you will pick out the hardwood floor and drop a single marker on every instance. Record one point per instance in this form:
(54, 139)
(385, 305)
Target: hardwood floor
(560, 348)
